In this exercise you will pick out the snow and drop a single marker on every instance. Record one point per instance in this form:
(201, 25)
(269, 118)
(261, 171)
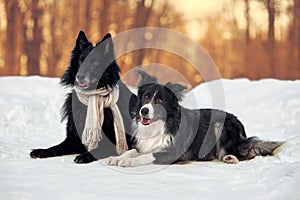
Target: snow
(30, 118)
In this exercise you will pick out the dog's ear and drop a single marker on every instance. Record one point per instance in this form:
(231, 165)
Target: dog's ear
(82, 41)
(108, 44)
(177, 89)
(108, 35)
(145, 78)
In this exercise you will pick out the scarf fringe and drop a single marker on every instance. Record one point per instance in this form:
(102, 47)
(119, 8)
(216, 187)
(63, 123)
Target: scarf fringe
(96, 101)
(91, 137)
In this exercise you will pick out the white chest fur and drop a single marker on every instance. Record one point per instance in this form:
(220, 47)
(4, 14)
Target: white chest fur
(151, 138)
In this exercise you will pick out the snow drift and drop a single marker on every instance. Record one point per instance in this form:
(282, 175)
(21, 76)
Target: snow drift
(30, 118)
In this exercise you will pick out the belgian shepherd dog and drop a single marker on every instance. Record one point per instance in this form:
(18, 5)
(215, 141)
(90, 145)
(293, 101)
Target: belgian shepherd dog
(166, 133)
(103, 73)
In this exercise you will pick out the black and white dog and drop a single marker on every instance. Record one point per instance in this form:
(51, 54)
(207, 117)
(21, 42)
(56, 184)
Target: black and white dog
(167, 132)
(99, 71)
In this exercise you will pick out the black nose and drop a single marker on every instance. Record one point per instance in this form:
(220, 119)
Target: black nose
(145, 111)
(80, 77)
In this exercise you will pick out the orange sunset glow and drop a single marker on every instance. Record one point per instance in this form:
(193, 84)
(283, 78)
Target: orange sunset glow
(245, 38)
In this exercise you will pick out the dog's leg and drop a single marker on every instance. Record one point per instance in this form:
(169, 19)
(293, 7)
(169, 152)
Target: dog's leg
(114, 160)
(143, 159)
(71, 145)
(68, 146)
(220, 151)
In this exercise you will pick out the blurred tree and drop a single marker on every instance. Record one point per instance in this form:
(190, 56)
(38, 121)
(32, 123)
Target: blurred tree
(14, 38)
(294, 36)
(247, 18)
(271, 6)
(52, 48)
(33, 37)
(40, 34)
(143, 10)
(247, 53)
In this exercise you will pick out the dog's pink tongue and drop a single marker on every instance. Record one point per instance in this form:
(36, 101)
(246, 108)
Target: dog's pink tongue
(146, 121)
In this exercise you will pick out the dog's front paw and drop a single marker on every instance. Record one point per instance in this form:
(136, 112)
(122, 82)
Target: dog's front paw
(129, 162)
(113, 160)
(230, 159)
(41, 153)
(84, 158)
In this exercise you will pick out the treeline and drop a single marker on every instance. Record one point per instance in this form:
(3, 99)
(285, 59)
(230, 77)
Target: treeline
(252, 51)
(36, 36)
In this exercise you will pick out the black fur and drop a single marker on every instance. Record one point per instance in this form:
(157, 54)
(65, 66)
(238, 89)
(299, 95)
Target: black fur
(195, 132)
(84, 74)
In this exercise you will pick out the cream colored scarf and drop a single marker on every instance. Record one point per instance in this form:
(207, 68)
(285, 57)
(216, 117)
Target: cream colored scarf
(96, 101)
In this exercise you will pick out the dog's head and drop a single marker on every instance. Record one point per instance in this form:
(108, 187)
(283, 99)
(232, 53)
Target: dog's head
(91, 66)
(156, 101)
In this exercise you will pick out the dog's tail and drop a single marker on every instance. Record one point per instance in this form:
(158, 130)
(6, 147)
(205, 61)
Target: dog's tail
(253, 146)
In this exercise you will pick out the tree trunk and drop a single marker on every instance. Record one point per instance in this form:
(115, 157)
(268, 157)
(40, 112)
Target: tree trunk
(143, 12)
(271, 35)
(33, 43)
(87, 15)
(54, 53)
(247, 38)
(104, 19)
(13, 43)
(293, 57)
(247, 17)
(297, 34)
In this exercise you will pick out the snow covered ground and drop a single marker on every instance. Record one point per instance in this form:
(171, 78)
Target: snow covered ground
(30, 118)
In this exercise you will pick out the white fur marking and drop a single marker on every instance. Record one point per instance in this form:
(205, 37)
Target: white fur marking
(114, 160)
(151, 138)
(230, 159)
(220, 150)
(143, 159)
(150, 108)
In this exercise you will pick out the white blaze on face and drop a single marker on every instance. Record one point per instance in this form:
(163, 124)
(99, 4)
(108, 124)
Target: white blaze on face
(147, 114)
(146, 118)
(148, 106)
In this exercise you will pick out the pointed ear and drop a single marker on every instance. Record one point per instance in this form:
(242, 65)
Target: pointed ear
(108, 43)
(82, 41)
(145, 78)
(108, 35)
(177, 89)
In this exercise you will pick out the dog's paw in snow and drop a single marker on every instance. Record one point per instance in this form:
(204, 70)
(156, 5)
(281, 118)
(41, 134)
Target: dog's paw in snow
(129, 162)
(230, 159)
(113, 160)
(125, 162)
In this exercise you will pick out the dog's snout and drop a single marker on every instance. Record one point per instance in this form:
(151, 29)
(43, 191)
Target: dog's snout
(80, 77)
(145, 111)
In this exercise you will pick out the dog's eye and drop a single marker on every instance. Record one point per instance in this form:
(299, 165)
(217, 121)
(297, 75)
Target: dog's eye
(146, 97)
(159, 100)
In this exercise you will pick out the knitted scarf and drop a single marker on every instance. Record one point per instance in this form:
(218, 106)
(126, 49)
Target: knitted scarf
(96, 101)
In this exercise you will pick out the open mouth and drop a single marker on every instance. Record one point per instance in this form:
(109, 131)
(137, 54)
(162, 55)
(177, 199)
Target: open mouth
(86, 84)
(146, 121)
(82, 84)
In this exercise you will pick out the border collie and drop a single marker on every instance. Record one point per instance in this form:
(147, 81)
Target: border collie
(167, 133)
(94, 75)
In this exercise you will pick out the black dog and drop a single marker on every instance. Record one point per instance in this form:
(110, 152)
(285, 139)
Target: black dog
(167, 132)
(98, 72)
